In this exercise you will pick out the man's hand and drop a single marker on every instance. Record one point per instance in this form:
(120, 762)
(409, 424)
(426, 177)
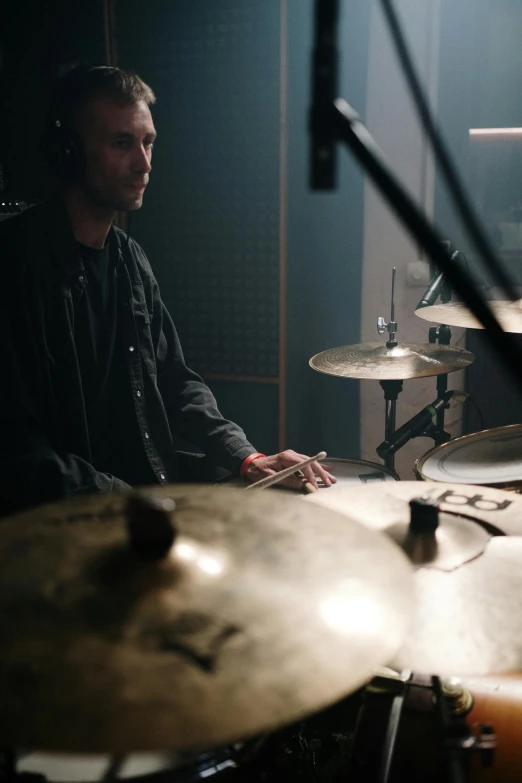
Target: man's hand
(267, 466)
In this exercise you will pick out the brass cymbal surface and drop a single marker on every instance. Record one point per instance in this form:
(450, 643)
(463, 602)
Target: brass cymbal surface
(263, 610)
(509, 315)
(383, 505)
(467, 591)
(468, 621)
(377, 361)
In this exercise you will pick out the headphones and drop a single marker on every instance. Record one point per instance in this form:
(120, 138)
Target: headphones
(60, 144)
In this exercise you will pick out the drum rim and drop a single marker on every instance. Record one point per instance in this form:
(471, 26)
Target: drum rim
(420, 461)
(366, 462)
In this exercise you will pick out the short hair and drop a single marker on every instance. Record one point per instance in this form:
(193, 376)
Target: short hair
(77, 86)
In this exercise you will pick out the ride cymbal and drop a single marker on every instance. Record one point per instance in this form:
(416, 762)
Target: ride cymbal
(508, 314)
(377, 361)
(382, 504)
(262, 610)
(468, 582)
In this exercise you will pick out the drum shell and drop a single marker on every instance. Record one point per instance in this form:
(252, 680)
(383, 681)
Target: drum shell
(498, 701)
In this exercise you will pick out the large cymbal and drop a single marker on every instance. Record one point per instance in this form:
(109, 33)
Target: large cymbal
(509, 315)
(406, 360)
(263, 610)
(467, 587)
(383, 505)
(468, 621)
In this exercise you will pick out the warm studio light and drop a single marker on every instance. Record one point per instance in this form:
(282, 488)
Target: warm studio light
(495, 132)
(352, 613)
(191, 552)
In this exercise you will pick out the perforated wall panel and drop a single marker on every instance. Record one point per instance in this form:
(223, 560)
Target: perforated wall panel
(210, 224)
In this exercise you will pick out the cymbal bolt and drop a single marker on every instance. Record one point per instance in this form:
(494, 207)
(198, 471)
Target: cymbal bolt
(151, 532)
(424, 516)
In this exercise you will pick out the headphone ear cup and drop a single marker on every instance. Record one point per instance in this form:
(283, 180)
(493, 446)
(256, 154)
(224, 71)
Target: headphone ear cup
(73, 154)
(62, 148)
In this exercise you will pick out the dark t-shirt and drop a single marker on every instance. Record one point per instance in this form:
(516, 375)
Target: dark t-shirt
(107, 393)
(95, 330)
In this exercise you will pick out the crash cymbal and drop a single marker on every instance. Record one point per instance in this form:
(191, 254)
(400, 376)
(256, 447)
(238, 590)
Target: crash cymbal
(467, 582)
(377, 361)
(509, 315)
(232, 614)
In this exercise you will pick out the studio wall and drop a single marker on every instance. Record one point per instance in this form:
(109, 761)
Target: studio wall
(258, 272)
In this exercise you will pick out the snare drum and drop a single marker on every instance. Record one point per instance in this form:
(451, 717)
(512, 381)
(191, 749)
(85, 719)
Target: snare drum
(351, 472)
(491, 458)
(348, 472)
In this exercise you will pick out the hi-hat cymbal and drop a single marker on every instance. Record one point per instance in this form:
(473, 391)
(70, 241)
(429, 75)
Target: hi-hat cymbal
(467, 585)
(509, 315)
(262, 610)
(377, 361)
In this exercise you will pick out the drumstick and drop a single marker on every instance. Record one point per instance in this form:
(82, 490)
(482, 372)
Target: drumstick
(282, 474)
(307, 487)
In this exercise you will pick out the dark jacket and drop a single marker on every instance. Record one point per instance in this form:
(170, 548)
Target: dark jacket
(44, 437)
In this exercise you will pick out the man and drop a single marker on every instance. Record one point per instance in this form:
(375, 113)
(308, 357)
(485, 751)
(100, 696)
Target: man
(95, 388)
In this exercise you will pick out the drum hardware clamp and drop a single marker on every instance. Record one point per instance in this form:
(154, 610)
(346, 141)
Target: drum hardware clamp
(458, 737)
(411, 689)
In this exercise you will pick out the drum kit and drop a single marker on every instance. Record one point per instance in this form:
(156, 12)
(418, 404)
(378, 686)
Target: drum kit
(186, 632)
(391, 364)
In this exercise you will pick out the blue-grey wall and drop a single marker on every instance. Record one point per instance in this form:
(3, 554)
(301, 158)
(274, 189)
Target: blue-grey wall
(480, 85)
(211, 220)
(210, 224)
(325, 245)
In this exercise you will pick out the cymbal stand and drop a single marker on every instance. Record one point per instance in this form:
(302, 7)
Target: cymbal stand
(391, 389)
(442, 335)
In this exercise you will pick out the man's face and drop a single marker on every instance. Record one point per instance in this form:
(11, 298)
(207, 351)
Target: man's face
(118, 149)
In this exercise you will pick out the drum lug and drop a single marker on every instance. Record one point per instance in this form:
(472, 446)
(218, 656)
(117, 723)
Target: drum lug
(460, 700)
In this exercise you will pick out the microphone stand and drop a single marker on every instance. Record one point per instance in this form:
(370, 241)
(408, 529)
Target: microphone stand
(439, 286)
(442, 336)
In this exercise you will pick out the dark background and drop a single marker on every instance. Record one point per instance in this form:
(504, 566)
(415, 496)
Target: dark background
(228, 223)
(258, 272)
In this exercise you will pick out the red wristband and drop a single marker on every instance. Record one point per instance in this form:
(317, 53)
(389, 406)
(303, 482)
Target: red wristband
(246, 462)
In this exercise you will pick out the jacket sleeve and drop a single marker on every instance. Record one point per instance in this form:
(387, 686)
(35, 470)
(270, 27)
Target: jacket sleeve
(191, 407)
(32, 470)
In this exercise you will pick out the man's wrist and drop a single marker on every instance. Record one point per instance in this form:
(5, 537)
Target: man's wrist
(246, 462)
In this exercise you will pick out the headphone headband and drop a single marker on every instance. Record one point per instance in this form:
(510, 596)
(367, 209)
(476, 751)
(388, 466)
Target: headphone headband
(61, 145)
